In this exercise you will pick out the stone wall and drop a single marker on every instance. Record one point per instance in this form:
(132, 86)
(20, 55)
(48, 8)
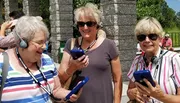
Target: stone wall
(1, 16)
(31, 7)
(10, 5)
(119, 21)
(61, 17)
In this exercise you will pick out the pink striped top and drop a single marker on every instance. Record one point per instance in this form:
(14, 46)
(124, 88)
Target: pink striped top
(166, 72)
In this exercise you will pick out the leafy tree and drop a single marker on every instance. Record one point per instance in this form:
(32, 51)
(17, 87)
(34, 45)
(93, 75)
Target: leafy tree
(44, 11)
(169, 16)
(178, 19)
(149, 8)
(158, 9)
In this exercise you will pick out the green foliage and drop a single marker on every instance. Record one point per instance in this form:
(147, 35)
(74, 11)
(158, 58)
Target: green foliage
(44, 11)
(160, 10)
(20, 5)
(174, 29)
(149, 8)
(168, 16)
(178, 20)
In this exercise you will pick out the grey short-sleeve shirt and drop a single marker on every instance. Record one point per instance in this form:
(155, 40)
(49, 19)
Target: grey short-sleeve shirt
(99, 87)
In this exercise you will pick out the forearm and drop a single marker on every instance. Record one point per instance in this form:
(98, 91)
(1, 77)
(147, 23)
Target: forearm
(60, 93)
(166, 98)
(65, 73)
(2, 32)
(118, 91)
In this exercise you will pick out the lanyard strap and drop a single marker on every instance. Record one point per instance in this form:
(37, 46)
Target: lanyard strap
(90, 46)
(34, 78)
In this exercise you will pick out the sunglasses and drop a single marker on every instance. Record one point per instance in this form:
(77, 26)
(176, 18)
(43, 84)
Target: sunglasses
(89, 24)
(142, 37)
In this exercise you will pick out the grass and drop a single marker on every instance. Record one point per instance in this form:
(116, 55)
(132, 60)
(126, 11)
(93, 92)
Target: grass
(175, 35)
(174, 29)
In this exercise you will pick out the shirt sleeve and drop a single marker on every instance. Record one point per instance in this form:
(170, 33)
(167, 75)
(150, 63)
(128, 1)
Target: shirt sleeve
(113, 51)
(133, 68)
(48, 65)
(176, 64)
(170, 42)
(67, 46)
(7, 41)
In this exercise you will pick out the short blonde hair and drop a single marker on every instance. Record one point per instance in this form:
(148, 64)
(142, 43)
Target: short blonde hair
(149, 25)
(89, 10)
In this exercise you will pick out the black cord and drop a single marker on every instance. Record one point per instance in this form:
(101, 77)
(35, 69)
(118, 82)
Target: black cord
(34, 78)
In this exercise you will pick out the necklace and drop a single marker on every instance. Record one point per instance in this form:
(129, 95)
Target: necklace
(47, 90)
(89, 47)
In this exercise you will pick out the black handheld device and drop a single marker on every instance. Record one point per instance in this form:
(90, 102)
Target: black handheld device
(141, 74)
(77, 87)
(76, 53)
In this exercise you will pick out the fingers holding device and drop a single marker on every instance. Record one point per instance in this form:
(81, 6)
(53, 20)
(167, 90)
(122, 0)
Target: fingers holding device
(141, 74)
(77, 87)
(76, 53)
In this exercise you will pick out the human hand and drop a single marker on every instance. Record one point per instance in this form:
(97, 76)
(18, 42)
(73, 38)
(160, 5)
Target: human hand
(73, 98)
(80, 63)
(6, 25)
(134, 93)
(155, 92)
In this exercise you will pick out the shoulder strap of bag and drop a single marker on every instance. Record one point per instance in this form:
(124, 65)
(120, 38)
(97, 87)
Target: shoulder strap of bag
(4, 71)
(72, 42)
(68, 82)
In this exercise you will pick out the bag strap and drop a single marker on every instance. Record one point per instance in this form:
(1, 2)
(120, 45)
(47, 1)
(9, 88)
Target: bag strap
(4, 71)
(72, 43)
(68, 82)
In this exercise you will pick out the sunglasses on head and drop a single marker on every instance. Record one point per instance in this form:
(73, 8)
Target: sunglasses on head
(142, 37)
(89, 23)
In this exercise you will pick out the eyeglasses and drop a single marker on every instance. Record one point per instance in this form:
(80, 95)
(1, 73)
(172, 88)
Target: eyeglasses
(142, 37)
(89, 23)
(40, 44)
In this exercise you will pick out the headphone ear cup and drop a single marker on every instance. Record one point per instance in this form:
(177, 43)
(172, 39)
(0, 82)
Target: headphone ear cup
(154, 59)
(23, 44)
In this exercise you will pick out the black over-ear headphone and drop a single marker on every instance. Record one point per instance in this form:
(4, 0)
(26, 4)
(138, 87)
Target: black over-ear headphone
(23, 43)
(155, 59)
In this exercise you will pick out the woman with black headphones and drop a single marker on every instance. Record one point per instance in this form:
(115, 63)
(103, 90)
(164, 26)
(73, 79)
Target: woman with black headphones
(32, 75)
(163, 65)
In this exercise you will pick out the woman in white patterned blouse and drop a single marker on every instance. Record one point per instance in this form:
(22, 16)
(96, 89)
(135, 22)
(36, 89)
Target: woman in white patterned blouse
(164, 67)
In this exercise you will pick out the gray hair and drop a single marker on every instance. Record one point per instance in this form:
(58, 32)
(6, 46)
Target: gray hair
(27, 26)
(89, 10)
